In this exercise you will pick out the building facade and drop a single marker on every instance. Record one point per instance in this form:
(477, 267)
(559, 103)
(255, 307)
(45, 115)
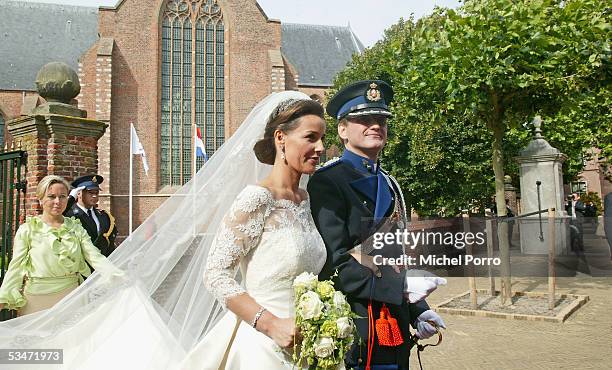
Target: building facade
(168, 67)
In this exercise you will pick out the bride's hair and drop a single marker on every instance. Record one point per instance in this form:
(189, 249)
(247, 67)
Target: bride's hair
(284, 118)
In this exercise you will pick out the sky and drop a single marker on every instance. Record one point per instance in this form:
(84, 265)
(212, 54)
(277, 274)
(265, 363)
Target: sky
(367, 18)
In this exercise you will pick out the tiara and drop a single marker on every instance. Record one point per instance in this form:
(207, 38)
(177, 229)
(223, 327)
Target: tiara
(282, 106)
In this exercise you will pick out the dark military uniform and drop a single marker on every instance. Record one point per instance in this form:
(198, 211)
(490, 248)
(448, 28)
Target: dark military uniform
(350, 199)
(104, 238)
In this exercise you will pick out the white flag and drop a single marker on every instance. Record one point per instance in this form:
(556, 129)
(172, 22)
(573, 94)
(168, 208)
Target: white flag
(137, 148)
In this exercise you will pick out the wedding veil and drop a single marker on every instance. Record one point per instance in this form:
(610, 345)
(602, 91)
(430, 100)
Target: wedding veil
(164, 259)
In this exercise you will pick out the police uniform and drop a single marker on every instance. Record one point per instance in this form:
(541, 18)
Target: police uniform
(103, 232)
(350, 199)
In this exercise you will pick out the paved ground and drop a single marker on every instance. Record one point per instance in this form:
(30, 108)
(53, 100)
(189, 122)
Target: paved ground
(584, 341)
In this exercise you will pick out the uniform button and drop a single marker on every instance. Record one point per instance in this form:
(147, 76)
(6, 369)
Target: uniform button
(359, 360)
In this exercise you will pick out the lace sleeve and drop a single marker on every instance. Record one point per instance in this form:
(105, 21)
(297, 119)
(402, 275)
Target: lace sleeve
(239, 232)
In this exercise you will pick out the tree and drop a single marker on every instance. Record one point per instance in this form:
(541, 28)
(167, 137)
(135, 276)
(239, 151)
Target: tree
(475, 75)
(430, 162)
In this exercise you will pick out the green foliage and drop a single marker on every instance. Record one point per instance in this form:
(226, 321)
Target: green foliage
(463, 78)
(593, 198)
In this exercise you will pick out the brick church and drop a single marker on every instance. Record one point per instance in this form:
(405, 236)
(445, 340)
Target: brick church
(167, 66)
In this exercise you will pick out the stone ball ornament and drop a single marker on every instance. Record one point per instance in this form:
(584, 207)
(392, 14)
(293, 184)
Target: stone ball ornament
(57, 82)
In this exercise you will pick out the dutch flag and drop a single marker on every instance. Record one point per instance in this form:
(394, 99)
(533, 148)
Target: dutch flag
(199, 145)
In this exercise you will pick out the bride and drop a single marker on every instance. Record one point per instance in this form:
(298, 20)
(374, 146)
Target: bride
(270, 232)
(244, 209)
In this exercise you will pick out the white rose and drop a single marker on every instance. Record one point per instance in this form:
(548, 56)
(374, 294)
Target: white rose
(307, 280)
(324, 347)
(310, 305)
(339, 299)
(345, 327)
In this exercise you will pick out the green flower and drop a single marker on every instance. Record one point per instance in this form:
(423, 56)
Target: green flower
(329, 329)
(325, 289)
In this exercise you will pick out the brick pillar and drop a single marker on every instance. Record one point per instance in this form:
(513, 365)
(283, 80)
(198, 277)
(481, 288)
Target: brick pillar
(291, 76)
(277, 72)
(59, 141)
(104, 65)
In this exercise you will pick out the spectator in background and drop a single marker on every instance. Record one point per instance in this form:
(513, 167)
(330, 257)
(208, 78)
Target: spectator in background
(83, 205)
(575, 209)
(50, 254)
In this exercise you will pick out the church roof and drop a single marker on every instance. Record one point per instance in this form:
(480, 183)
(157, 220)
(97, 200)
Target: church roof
(34, 34)
(318, 52)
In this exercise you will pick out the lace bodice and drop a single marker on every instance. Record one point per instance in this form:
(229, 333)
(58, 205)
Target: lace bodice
(272, 240)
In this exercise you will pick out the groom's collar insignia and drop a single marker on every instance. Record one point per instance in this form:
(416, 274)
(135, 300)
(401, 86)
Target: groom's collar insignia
(358, 162)
(367, 165)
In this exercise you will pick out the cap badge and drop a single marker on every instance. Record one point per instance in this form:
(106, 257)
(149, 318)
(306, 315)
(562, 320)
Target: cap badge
(94, 180)
(373, 93)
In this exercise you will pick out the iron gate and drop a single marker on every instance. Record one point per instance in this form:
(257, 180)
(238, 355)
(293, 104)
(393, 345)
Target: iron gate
(12, 186)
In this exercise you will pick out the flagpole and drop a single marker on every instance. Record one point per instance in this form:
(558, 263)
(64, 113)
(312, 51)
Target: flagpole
(131, 175)
(193, 171)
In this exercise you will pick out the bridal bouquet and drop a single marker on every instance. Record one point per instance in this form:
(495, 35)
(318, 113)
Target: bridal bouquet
(325, 321)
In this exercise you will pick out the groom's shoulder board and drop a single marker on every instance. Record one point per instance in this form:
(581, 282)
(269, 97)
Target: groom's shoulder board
(329, 164)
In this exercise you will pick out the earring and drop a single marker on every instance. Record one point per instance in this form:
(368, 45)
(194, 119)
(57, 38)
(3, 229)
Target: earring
(283, 152)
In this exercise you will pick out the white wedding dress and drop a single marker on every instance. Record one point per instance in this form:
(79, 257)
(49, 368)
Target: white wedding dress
(272, 241)
(161, 316)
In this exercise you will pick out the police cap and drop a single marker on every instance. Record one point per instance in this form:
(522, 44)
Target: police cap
(361, 98)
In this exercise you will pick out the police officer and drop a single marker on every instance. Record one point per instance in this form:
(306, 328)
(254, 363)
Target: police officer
(352, 198)
(82, 204)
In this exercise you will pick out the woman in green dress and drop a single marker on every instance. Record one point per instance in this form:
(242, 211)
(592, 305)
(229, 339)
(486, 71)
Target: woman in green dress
(50, 254)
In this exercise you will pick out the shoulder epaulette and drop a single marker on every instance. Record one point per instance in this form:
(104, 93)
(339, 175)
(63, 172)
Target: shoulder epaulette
(329, 164)
(111, 227)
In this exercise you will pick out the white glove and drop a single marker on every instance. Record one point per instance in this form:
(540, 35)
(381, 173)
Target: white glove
(424, 329)
(418, 286)
(75, 192)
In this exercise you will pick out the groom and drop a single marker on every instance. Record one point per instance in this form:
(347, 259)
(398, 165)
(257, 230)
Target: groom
(351, 199)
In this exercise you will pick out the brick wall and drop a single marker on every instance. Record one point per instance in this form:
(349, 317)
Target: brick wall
(36, 170)
(11, 103)
(56, 145)
(291, 75)
(87, 77)
(277, 73)
(103, 83)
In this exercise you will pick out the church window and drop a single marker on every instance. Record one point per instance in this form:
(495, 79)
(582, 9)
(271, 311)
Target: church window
(192, 88)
